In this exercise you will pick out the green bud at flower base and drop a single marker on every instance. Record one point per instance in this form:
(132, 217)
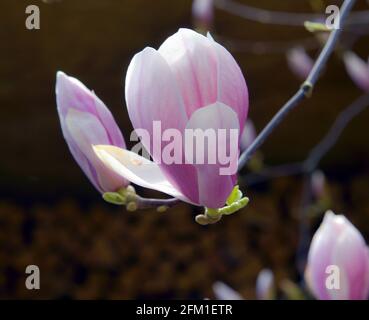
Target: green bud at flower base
(315, 27)
(114, 198)
(235, 202)
(125, 196)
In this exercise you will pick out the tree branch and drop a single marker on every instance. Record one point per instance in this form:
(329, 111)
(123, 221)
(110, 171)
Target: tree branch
(330, 139)
(304, 91)
(318, 152)
(281, 18)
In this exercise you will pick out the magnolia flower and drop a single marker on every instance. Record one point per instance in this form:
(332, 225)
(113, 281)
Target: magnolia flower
(265, 285)
(203, 12)
(224, 292)
(190, 82)
(358, 70)
(248, 135)
(85, 121)
(338, 261)
(299, 62)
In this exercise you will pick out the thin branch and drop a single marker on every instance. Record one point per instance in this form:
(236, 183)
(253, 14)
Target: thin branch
(281, 18)
(332, 136)
(304, 91)
(318, 152)
(268, 47)
(283, 170)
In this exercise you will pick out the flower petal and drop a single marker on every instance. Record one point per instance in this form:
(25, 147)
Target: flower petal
(71, 93)
(351, 256)
(85, 130)
(193, 62)
(231, 85)
(136, 169)
(152, 95)
(319, 257)
(214, 188)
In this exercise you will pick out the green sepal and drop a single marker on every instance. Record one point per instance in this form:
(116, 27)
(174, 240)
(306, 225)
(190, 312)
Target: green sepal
(114, 198)
(234, 207)
(235, 195)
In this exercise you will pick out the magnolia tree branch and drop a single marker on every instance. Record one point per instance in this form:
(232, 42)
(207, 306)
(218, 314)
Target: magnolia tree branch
(268, 47)
(318, 152)
(304, 91)
(281, 18)
(332, 136)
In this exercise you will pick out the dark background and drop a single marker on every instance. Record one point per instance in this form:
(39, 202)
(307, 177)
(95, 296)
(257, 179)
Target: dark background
(52, 217)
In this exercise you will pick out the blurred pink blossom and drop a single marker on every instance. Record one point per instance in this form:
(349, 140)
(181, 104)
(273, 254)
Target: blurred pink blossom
(248, 135)
(225, 292)
(299, 62)
(338, 249)
(265, 285)
(358, 70)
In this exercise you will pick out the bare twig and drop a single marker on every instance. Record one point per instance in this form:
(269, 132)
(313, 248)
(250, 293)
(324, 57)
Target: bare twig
(318, 152)
(281, 18)
(332, 136)
(304, 91)
(268, 47)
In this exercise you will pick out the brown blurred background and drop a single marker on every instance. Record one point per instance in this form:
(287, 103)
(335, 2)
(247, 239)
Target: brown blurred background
(52, 217)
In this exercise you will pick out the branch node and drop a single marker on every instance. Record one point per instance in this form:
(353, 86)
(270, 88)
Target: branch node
(307, 87)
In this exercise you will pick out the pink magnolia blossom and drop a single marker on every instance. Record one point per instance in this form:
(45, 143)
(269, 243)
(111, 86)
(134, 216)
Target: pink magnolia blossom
(85, 121)
(358, 70)
(265, 285)
(338, 244)
(299, 62)
(190, 82)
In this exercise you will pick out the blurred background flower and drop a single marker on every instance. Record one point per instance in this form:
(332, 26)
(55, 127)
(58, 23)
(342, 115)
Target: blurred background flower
(338, 261)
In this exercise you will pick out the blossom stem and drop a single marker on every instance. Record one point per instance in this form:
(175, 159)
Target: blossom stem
(304, 91)
(160, 204)
(330, 139)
